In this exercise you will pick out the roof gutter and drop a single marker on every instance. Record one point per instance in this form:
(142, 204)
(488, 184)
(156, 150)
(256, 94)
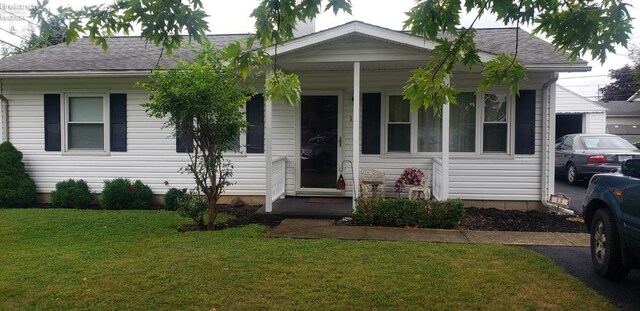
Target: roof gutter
(77, 74)
(548, 147)
(558, 68)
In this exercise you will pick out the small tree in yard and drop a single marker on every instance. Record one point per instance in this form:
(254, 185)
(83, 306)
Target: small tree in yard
(202, 99)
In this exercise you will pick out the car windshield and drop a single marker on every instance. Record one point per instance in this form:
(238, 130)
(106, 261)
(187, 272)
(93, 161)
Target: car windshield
(605, 142)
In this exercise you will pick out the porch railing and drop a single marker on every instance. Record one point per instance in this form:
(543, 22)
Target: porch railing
(278, 178)
(438, 176)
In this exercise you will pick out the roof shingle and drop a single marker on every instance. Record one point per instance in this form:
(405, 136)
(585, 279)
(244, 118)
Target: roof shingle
(133, 53)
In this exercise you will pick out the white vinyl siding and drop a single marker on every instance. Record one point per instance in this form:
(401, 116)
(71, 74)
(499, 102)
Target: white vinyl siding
(151, 154)
(596, 123)
(150, 157)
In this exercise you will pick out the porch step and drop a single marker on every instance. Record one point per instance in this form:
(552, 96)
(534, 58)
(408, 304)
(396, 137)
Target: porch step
(303, 207)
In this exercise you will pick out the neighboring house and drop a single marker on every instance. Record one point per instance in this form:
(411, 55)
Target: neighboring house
(577, 114)
(623, 119)
(74, 112)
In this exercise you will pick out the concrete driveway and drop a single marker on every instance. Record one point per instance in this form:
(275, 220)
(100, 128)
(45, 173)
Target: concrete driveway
(576, 193)
(577, 262)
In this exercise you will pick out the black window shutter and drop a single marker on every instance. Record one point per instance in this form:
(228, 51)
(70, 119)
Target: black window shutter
(371, 123)
(52, 134)
(184, 142)
(255, 117)
(118, 119)
(526, 122)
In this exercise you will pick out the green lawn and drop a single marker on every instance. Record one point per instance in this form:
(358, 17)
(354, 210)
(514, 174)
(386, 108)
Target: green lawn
(128, 260)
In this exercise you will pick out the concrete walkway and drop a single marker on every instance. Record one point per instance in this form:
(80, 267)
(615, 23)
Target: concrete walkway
(320, 228)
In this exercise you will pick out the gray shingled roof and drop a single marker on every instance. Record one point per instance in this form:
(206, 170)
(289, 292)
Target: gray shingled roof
(132, 53)
(531, 49)
(621, 108)
(124, 53)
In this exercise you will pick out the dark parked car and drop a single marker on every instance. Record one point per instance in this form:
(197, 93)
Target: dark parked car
(612, 215)
(580, 156)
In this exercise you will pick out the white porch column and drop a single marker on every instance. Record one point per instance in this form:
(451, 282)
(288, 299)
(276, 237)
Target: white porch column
(356, 131)
(268, 155)
(445, 148)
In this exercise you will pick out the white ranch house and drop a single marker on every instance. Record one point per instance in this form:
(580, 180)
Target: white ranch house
(74, 112)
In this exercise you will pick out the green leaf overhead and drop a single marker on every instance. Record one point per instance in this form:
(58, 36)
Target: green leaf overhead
(574, 27)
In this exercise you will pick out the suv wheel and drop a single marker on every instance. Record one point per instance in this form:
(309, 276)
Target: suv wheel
(605, 246)
(572, 174)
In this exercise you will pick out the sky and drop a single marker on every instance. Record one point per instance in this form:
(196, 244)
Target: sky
(233, 17)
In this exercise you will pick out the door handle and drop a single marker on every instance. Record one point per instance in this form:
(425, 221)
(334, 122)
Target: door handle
(340, 141)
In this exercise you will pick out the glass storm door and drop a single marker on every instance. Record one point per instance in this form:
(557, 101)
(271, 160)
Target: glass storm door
(319, 141)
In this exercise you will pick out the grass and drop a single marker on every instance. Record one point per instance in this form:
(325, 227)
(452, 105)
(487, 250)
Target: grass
(136, 260)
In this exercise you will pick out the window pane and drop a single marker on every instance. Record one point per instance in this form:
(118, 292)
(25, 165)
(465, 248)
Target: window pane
(462, 127)
(399, 109)
(399, 137)
(86, 136)
(85, 109)
(429, 131)
(495, 108)
(495, 137)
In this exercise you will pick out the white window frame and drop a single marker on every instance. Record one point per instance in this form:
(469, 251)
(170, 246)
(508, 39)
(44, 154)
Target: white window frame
(510, 115)
(413, 120)
(478, 136)
(479, 126)
(385, 127)
(242, 151)
(105, 119)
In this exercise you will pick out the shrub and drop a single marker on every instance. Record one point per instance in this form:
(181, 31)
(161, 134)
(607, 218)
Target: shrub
(194, 207)
(445, 215)
(404, 212)
(17, 189)
(72, 194)
(120, 193)
(172, 197)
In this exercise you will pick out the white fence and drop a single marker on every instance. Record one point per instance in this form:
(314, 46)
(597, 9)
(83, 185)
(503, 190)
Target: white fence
(278, 178)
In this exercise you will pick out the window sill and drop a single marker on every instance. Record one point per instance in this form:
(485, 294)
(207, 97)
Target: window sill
(234, 155)
(93, 153)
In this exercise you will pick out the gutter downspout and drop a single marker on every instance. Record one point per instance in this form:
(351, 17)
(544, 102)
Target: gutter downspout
(548, 146)
(4, 112)
(4, 116)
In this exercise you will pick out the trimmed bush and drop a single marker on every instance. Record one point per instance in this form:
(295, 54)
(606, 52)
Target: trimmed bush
(444, 214)
(404, 212)
(71, 194)
(120, 193)
(194, 207)
(17, 189)
(172, 197)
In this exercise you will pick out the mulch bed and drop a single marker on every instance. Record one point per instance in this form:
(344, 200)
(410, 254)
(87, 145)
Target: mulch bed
(491, 219)
(488, 219)
(243, 215)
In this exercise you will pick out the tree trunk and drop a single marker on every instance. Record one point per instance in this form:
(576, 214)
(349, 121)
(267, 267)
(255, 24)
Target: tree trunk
(212, 213)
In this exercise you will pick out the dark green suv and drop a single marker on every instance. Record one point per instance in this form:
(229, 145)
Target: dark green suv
(612, 215)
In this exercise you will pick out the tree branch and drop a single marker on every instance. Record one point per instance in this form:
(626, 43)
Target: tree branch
(458, 41)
